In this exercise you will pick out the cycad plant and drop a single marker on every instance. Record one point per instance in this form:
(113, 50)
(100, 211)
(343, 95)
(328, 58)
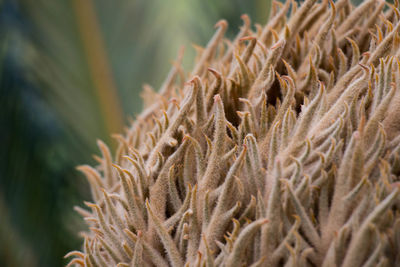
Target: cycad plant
(52, 111)
(281, 149)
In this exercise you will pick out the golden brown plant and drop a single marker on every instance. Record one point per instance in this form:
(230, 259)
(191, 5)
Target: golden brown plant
(281, 150)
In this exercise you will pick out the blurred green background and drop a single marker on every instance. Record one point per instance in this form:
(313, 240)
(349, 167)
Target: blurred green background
(71, 72)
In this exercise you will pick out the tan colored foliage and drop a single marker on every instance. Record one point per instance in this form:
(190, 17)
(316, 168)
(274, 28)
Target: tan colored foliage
(281, 150)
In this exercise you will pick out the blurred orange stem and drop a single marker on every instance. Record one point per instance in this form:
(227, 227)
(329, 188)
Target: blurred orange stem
(99, 68)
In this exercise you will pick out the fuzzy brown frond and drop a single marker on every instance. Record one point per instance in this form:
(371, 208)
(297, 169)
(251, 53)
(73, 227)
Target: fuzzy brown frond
(281, 150)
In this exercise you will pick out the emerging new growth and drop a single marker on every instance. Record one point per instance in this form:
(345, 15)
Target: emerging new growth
(280, 149)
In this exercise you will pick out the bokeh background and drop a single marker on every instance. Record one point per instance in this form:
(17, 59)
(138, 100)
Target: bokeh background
(71, 72)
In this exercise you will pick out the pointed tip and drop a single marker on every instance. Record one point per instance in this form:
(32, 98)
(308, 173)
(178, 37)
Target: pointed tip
(279, 44)
(223, 24)
(247, 38)
(246, 19)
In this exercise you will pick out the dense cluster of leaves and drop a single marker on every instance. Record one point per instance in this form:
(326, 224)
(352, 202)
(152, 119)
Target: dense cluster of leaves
(281, 150)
